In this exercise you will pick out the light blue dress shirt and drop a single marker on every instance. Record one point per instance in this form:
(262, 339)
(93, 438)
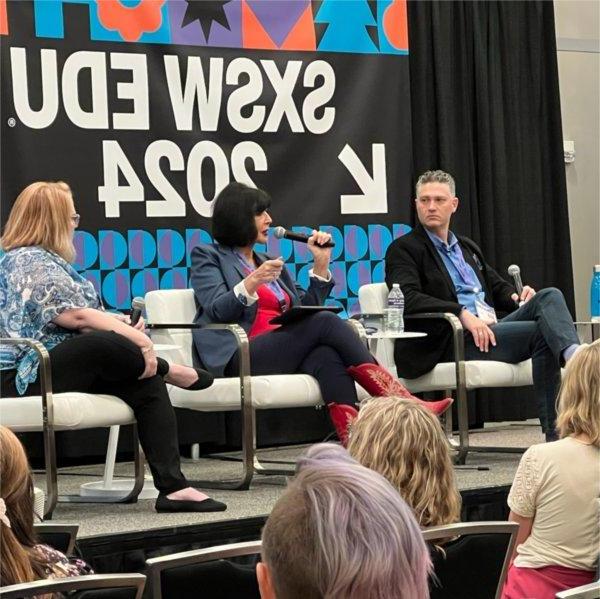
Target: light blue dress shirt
(467, 285)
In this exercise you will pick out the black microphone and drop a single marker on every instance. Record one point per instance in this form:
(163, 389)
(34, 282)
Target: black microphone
(137, 307)
(282, 233)
(515, 272)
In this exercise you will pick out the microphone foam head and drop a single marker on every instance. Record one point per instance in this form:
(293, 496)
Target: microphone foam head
(279, 232)
(138, 303)
(513, 270)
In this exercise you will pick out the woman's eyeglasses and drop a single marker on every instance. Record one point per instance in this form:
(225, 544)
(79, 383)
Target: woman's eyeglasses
(75, 219)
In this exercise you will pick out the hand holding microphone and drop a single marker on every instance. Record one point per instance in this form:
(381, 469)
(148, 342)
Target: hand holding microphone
(524, 294)
(318, 238)
(135, 318)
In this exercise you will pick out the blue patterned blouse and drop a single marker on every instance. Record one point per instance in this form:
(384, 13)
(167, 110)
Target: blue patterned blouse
(36, 285)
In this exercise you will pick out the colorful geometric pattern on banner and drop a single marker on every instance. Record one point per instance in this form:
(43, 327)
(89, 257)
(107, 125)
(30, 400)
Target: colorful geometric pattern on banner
(337, 25)
(123, 266)
(148, 108)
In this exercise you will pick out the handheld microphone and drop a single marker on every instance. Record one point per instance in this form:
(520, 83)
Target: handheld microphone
(515, 272)
(137, 307)
(282, 233)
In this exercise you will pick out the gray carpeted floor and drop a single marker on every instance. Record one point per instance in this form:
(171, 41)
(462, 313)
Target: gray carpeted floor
(101, 519)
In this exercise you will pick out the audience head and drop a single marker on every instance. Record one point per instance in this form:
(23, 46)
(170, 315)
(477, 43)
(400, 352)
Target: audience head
(18, 561)
(405, 443)
(44, 215)
(234, 213)
(341, 530)
(579, 397)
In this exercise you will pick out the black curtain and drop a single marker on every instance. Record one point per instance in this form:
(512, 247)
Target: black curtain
(486, 108)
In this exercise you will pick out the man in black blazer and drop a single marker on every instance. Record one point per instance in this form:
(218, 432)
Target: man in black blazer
(439, 271)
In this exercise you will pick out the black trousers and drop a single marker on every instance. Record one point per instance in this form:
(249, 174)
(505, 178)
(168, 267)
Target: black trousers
(322, 345)
(106, 362)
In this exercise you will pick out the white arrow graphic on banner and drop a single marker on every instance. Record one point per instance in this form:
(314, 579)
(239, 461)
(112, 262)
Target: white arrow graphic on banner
(374, 189)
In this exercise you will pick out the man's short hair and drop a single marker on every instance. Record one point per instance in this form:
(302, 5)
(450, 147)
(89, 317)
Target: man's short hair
(341, 530)
(436, 177)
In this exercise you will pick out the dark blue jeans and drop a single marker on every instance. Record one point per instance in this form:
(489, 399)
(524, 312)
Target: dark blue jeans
(541, 330)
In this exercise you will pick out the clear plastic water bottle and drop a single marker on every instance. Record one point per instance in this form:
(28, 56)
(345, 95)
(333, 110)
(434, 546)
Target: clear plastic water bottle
(595, 295)
(395, 310)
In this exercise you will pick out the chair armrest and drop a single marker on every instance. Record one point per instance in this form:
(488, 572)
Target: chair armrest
(44, 373)
(236, 330)
(358, 327)
(457, 330)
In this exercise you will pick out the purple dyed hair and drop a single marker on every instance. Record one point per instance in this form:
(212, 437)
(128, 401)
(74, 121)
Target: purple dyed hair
(341, 530)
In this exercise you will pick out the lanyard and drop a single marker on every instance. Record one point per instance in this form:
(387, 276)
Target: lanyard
(466, 273)
(274, 286)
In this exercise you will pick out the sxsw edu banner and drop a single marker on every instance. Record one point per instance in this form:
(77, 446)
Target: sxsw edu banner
(147, 108)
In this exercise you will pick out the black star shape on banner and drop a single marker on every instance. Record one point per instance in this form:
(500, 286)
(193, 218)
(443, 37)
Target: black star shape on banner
(206, 11)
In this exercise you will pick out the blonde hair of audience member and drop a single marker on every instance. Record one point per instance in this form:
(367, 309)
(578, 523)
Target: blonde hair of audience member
(405, 443)
(578, 403)
(19, 562)
(41, 215)
(341, 531)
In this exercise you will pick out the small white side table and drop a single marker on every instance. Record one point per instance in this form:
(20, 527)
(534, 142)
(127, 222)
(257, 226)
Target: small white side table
(374, 338)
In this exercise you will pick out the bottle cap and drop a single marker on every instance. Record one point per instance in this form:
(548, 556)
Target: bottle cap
(597, 268)
(398, 284)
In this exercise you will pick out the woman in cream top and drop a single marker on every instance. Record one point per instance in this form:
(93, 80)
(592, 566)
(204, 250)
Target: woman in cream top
(555, 497)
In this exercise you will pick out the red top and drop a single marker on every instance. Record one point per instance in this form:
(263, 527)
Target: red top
(268, 308)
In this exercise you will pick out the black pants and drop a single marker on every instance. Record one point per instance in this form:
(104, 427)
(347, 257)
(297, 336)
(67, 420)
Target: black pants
(106, 362)
(322, 345)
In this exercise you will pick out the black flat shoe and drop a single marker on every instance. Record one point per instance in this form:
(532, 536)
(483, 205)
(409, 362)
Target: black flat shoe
(164, 504)
(205, 380)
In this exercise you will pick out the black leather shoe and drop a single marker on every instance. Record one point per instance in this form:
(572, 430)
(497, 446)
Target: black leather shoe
(164, 504)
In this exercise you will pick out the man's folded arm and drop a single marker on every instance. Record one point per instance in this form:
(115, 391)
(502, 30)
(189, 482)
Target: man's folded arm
(400, 267)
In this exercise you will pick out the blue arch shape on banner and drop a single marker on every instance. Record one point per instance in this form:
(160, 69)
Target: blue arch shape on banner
(144, 281)
(171, 248)
(86, 248)
(142, 248)
(113, 249)
(116, 289)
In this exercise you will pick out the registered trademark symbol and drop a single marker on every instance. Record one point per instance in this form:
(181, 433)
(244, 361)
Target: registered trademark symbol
(12, 122)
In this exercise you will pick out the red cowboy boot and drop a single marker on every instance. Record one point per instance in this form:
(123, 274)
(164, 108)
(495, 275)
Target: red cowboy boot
(342, 416)
(379, 382)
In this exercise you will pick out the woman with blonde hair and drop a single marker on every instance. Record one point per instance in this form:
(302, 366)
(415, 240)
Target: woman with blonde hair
(22, 557)
(43, 297)
(556, 492)
(406, 444)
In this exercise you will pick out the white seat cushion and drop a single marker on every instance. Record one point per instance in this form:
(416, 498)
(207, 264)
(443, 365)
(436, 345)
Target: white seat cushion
(273, 391)
(479, 374)
(71, 411)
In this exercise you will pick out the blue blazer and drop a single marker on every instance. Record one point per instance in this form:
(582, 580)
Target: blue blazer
(215, 271)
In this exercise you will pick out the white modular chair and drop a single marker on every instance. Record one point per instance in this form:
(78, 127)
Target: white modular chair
(459, 376)
(169, 314)
(51, 412)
